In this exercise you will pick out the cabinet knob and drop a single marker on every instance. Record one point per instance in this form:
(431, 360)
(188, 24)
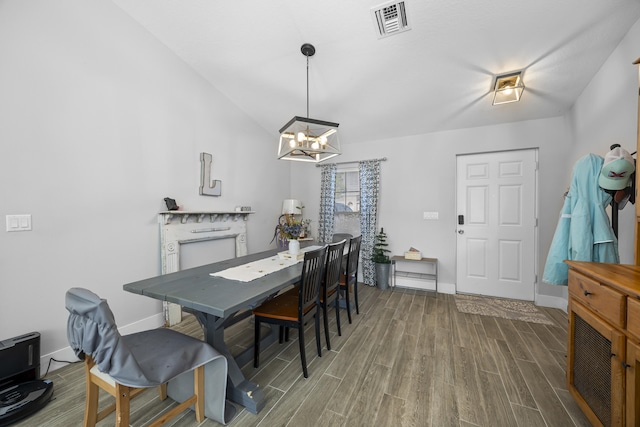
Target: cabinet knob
(587, 293)
(625, 365)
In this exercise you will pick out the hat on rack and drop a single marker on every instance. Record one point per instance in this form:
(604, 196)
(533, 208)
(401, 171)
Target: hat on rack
(616, 170)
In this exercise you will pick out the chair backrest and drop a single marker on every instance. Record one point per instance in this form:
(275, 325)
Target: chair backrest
(90, 322)
(341, 236)
(354, 256)
(311, 279)
(92, 330)
(333, 267)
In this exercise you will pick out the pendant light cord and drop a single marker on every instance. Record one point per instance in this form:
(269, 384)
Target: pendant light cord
(307, 85)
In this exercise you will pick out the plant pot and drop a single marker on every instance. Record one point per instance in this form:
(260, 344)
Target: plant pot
(382, 275)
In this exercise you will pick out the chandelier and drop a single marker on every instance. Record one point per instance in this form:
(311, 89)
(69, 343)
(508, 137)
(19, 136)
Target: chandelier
(308, 140)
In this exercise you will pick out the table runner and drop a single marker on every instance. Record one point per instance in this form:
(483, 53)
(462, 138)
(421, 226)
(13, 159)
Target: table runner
(260, 268)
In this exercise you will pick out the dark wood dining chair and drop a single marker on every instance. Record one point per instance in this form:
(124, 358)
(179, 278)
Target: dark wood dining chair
(341, 236)
(350, 278)
(330, 286)
(294, 309)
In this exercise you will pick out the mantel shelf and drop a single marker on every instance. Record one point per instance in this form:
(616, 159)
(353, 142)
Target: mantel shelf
(200, 216)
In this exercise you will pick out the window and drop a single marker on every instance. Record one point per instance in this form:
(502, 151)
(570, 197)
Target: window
(347, 191)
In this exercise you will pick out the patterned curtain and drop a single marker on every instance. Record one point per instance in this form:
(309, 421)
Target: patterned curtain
(327, 202)
(369, 189)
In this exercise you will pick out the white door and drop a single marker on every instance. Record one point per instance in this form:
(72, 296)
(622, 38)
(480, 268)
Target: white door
(496, 205)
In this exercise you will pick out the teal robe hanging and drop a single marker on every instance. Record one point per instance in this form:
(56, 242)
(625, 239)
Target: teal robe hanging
(584, 231)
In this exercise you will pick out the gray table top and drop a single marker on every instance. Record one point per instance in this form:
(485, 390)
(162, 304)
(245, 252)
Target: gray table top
(196, 289)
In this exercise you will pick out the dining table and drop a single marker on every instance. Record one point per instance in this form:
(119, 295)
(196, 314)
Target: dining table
(219, 302)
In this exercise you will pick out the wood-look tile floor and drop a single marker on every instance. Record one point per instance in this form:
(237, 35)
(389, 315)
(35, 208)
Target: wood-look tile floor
(408, 359)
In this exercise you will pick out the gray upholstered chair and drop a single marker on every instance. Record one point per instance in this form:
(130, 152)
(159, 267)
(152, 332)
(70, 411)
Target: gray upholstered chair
(124, 366)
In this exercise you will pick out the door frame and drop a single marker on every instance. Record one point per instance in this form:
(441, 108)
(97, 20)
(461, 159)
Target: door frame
(536, 202)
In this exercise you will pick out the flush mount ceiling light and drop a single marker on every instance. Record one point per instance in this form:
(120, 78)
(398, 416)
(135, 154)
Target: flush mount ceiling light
(508, 88)
(308, 140)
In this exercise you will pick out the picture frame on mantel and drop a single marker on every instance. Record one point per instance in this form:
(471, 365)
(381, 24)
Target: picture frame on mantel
(208, 187)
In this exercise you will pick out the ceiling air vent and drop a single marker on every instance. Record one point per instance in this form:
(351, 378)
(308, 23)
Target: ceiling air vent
(390, 19)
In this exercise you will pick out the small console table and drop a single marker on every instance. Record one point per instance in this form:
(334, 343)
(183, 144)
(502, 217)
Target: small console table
(413, 275)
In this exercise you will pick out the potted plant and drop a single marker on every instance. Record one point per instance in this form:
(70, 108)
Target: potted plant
(381, 259)
(289, 231)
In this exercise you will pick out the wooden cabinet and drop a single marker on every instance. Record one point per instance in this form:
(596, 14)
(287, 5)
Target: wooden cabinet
(607, 302)
(632, 383)
(637, 231)
(603, 352)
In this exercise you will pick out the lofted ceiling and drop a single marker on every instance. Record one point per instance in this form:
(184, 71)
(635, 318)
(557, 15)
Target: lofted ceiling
(436, 76)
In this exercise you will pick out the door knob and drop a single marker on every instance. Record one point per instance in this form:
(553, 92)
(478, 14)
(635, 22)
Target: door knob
(460, 231)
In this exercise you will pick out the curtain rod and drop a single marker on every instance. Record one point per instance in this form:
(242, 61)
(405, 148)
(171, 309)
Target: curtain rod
(383, 159)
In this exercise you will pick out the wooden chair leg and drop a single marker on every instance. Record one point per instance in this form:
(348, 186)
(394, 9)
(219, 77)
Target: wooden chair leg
(337, 303)
(198, 390)
(326, 325)
(355, 294)
(91, 404)
(123, 405)
(92, 393)
(316, 319)
(346, 298)
(162, 391)
(303, 356)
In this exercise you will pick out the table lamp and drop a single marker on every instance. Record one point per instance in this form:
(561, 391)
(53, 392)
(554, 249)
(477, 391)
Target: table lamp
(291, 207)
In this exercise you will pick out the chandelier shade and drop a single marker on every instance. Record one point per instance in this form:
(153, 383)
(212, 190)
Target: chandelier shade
(308, 140)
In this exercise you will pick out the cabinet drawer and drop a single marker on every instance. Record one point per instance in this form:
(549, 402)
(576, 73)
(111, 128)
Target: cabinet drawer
(633, 317)
(609, 303)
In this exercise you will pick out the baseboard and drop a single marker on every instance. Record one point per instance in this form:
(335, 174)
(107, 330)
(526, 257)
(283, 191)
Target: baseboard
(68, 355)
(443, 288)
(551, 302)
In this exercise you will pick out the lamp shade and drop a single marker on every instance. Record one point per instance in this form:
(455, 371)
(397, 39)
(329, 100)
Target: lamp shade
(308, 140)
(292, 207)
(508, 88)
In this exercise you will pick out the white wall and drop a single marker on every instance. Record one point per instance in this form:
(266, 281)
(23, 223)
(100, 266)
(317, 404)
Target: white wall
(419, 176)
(98, 123)
(607, 113)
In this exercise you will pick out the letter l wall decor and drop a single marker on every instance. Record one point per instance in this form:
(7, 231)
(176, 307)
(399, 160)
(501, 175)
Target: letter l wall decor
(208, 187)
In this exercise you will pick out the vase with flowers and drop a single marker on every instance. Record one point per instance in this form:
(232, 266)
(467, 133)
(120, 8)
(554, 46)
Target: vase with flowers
(289, 229)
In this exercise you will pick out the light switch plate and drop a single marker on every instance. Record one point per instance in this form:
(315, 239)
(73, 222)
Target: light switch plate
(19, 222)
(430, 215)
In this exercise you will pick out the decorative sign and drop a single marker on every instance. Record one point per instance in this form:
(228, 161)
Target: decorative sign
(207, 186)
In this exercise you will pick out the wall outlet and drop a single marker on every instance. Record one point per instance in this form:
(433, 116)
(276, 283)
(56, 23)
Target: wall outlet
(18, 222)
(430, 215)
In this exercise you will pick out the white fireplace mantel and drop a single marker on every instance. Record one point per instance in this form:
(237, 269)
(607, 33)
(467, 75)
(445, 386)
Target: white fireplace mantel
(203, 216)
(181, 227)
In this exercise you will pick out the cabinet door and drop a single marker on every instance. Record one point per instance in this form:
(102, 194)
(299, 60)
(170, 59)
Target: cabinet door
(633, 384)
(637, 231)
(595, 372)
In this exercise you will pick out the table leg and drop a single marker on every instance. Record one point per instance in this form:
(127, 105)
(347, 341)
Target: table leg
(239, 389)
